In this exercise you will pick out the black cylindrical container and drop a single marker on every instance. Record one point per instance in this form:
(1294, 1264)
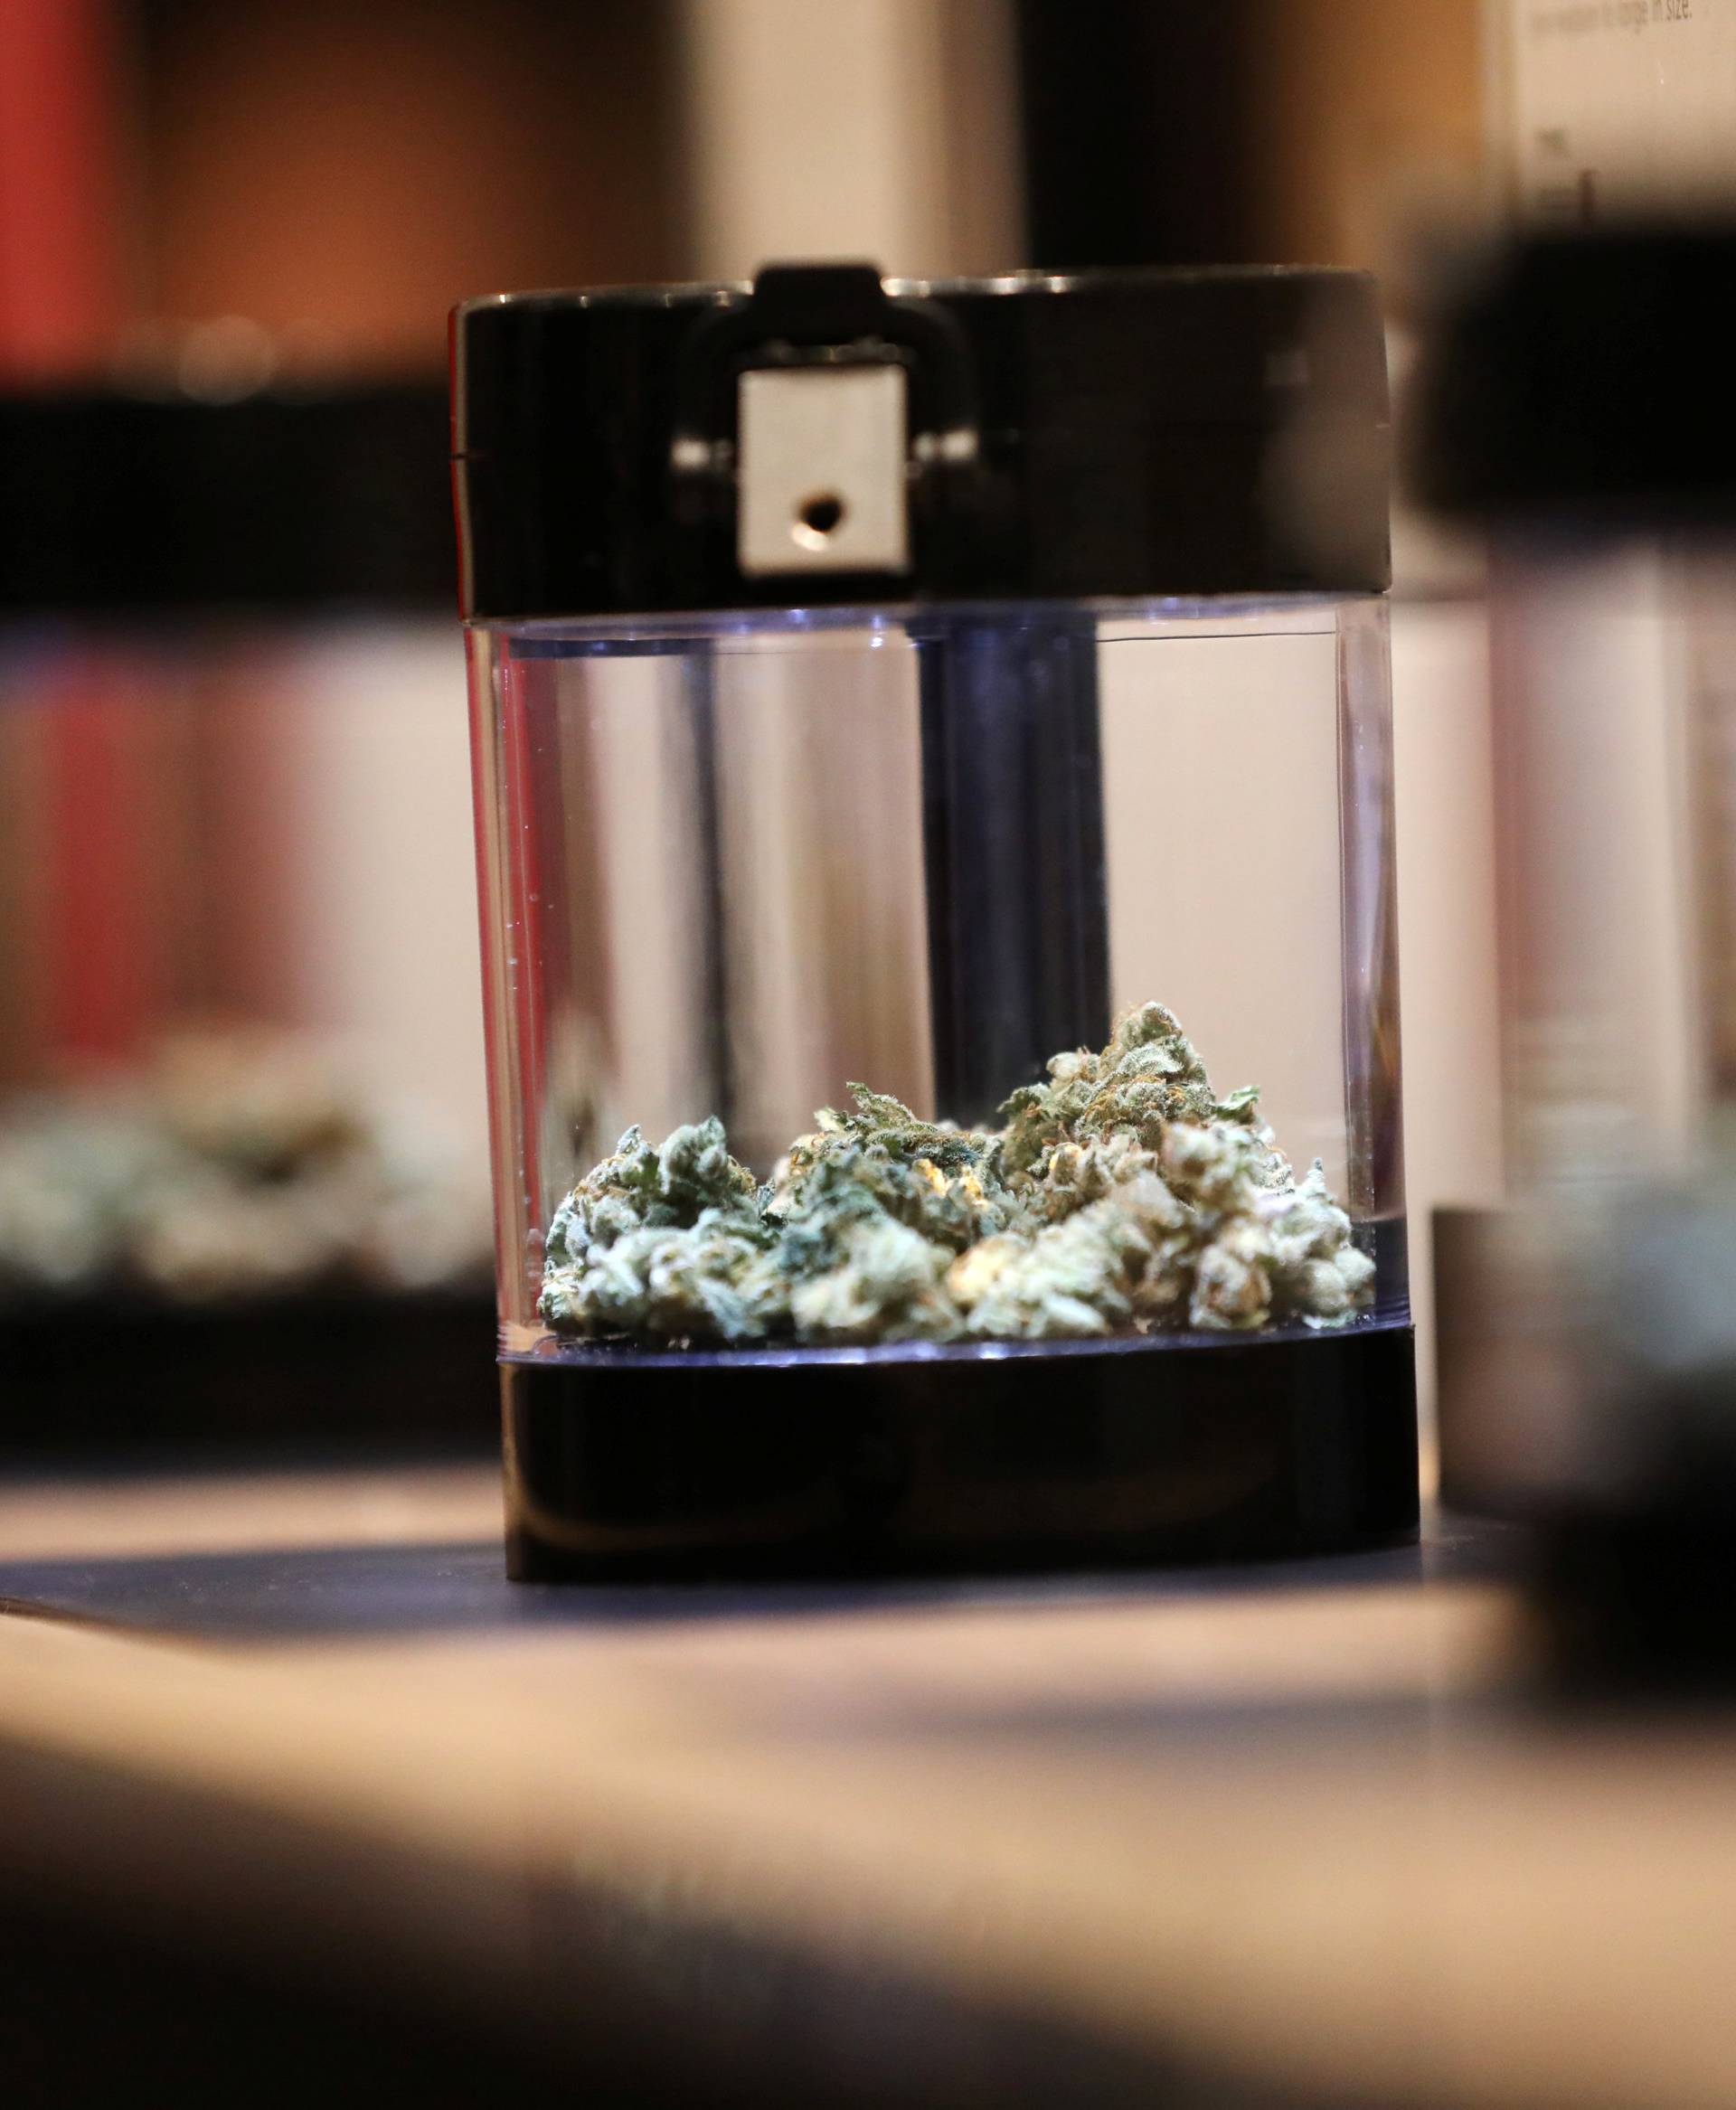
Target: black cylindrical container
(918, 728)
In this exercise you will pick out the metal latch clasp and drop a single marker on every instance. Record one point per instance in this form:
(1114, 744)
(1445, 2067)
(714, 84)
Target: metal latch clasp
(820, 481)
(826, 425)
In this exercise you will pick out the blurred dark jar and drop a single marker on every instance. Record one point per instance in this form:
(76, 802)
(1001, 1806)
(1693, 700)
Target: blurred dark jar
(1578, 410)
(240, 1094)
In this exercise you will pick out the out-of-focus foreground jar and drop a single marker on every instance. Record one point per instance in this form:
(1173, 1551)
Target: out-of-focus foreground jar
(1578, 410)
(931, 749)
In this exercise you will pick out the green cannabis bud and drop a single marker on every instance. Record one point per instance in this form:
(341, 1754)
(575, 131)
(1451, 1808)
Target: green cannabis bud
(1121, 1194)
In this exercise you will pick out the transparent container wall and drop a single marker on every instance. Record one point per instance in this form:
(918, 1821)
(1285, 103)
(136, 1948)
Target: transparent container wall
(1616, 725)
(733, 865)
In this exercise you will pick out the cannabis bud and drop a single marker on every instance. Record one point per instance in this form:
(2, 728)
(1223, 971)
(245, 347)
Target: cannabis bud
(1120, 1194)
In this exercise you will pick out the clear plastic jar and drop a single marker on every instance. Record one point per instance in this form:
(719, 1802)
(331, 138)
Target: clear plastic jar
(944, 1051)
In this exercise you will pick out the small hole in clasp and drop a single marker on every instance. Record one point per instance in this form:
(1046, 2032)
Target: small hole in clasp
(817, 518)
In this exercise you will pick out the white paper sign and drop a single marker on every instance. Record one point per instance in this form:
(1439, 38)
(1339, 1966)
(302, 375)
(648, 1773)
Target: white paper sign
(1614, 105)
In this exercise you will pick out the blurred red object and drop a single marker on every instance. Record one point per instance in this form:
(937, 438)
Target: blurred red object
(99, 901)
(62, 243)
(62, 298)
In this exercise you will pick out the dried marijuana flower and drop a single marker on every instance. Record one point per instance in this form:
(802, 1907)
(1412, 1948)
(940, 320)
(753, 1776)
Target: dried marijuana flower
(1119, 1195)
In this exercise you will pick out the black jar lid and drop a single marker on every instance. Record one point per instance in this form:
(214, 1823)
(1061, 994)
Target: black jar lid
(288, 499)
(1151, 432)
(1583, 377)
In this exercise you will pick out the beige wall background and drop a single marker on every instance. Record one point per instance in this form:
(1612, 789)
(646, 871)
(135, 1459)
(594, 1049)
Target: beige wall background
(359, 168)
(878, 129)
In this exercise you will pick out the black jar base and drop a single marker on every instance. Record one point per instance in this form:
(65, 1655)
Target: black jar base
(625, 1463)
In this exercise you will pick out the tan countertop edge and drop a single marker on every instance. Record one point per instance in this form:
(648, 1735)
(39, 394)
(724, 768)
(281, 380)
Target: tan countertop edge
(1502, 1915)
(247, 1511)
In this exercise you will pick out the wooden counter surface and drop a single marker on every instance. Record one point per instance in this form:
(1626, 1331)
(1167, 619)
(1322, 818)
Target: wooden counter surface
(1290, 1835)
